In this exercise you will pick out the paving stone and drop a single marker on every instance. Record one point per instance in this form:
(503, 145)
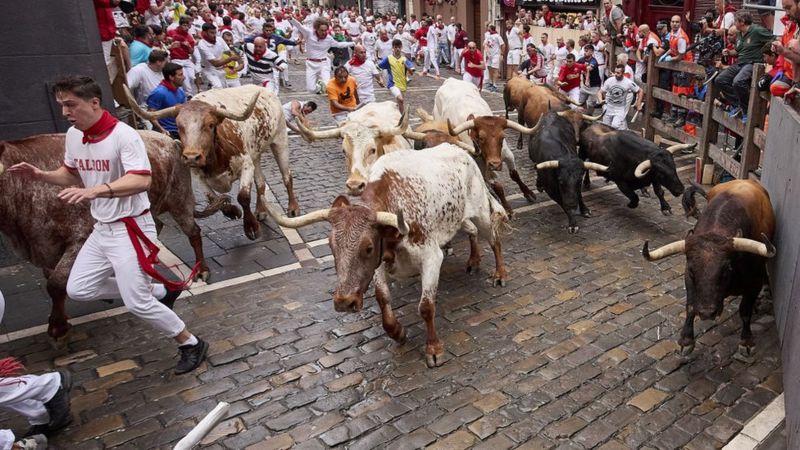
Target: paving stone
(207, 390)
(723, 429)
(234, 354)
(255, 336)
(96, 428)
(661, 349)
(671, 438)
(415, 419)
(118, 366)
(375, 439)
(728, 394)
(450, 422)
(459, 440)
(490, 402)
(648, 399)
(612, 357)
(315, 427)
(278, 442)
(127, 434)
(107, 382)
(74, 358)
(171, 388)
(416, 439)
(223, 429)
(344, 382)
(288, 420)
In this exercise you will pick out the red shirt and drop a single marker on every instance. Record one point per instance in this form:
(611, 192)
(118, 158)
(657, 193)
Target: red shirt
(572, 82)
(182, 52)
(460, 41)
(422, 36)
(548, 18)
(105, 20)
(474, 58)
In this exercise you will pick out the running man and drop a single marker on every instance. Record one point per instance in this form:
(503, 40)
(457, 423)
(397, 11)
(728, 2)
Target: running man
(398, 67)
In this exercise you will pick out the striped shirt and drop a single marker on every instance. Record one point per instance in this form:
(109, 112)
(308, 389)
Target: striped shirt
(262, 69)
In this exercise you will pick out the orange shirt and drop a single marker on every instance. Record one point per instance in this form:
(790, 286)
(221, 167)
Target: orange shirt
(344, 94)
(673, 44)
(789, 30)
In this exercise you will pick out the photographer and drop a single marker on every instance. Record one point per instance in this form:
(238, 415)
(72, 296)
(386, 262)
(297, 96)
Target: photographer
(734, 82)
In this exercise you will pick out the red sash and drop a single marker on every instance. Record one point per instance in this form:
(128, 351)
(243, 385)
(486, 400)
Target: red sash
(148, 262)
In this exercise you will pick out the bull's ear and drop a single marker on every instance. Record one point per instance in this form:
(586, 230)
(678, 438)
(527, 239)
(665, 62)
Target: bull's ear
(471, 117)
(739, 233)
(340, 202)
(690, 232)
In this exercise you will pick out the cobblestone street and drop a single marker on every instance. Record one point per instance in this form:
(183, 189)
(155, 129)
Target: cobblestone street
(577, 351)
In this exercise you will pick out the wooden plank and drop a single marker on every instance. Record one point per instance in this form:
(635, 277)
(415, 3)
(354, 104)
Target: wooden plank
(732, 123)
(723, 159)
(759, 138)
(675, 134)
(684, 102)
(756, 113)
(710, 127)
(650, 104)
(683, 66)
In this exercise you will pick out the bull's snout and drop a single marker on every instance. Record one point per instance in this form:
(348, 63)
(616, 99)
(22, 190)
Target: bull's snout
(193, 159)
(494, 165)
(348, 303)
(355, 187)
(706, 313)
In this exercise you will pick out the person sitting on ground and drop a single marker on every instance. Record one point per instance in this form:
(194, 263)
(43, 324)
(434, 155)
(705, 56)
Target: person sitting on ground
(296, 110)
(342, 94)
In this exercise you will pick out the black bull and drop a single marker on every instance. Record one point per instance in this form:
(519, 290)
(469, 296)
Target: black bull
(559, 170)
(633, 161)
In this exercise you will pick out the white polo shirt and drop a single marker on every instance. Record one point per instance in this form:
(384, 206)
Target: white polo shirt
(120, 153)
(364, 74)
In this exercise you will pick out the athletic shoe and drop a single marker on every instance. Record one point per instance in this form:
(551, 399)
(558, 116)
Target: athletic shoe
(35, 442)
(734, 111)
(37, 430)
(679, 122)
(169, 299)
(744, 118)
(191, 356)
(58, 406)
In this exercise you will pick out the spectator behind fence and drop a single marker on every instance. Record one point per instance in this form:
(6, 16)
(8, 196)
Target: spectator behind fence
(734, 82)
(787, 47)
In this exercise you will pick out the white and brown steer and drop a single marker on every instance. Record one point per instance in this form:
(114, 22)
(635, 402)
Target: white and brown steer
(223, 133)
(413, 204)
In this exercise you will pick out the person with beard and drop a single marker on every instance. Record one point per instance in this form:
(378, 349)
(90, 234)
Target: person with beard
(364, 71)
(788, 47)
(342, 95)
(318, 42)
(180, 52)
(212, 56)
(474, 65)
(615, 92)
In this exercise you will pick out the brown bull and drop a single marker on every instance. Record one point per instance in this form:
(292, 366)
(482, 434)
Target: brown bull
(49, 232)
(538, 99)
(725, 253)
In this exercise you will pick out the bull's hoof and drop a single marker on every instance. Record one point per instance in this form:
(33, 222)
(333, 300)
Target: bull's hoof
(686, 347)
(645, 192)
(252, 232)
(586, 213)
(509, 212)
(434, 355)
(60, 343)
(666, 212)
(519, 145)
(587, 186)
(572, 229)
(448, 250)
(294, 210)
(400, 337)
(746, 350)
(529, 196)
(633, 205)
(498, 280)
(203, 275)
(231, 212)
(473, 267)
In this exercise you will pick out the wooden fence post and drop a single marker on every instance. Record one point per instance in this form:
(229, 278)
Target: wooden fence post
(756, 112)
(710, 126)
(650, 106)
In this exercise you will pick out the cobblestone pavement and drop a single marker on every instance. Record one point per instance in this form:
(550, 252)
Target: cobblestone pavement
(577, 351)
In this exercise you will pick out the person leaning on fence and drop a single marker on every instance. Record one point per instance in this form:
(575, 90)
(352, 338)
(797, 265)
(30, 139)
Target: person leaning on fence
(681, 81)
(775, 80)
(787, 47)
(734, 82)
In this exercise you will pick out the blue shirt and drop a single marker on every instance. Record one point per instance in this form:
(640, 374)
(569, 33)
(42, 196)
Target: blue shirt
(396, 68)
(162, 98)
(139, 52)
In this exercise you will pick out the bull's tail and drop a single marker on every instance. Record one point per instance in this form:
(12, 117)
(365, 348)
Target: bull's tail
(215, 203)
(500, 221)
(558, 93)
(688, 202)
(507, 100)
(423, 115)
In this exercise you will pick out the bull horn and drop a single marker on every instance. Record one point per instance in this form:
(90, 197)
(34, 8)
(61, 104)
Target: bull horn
(312, 135)
(393, 220)
(172, 111)
(552, 164)
(592, 118)
(521, 128)
(764, 249)
(2, 169)
(594, 166)
(678, 147)
(297, 222)
(415, 135)
(642, 168)
(468, 148)
(423, 115)
(663, 252)
(462, 127)
(244, 115)
(400, 128)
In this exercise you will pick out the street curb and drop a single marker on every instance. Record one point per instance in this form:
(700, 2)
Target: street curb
(760, 427)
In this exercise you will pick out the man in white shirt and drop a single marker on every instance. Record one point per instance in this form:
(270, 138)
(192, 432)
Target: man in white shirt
(364, 70)
(599, 53)
(152, 15)
(383, 47)
(318, 42)
(493, 47)
(238, 27)
(353, 27)
(548, 54)
(432, 49)
(561, 57)
(615, 92)
(212, 58)
(441, 39)
(106, 165)
(369, 40)
(256, 21)
(450, 34)
(296, 110)
(514, 39)
(407, 40)
(144, 77)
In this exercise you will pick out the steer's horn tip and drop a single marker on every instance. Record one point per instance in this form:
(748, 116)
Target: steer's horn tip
(646, 250)
(771, 250)
(402, 226)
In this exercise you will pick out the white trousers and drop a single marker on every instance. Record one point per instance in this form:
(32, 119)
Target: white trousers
(108, 252)
(285, 74)
(615, 117)
(431, 59)
(189, 74)
(317, 71)
(232, 82)
(474, 80)
(27, 394)
(214, 77)
(574, 94)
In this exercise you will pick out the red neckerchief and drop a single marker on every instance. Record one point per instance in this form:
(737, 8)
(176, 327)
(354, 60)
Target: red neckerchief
(384, 38)
(526, 35)
(106, 123)
(206, 38)
(561, 45)
(169, 85)
(355, 62)
(259, 55)
(143, 42)
(492, 31)
(148, 261)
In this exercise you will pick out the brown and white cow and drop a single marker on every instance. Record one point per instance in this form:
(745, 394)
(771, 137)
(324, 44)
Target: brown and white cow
(49, 232)
(431, 132)
(224, 133)
(533, 102)
(459, 102)
(367, 134)
(414, 203)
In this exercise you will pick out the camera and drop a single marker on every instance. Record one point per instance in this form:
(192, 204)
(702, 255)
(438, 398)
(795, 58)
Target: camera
(707, 48)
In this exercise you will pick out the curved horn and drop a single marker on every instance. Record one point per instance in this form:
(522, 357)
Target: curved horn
(400, 128)
(663, 252)
(297, 222)
(415, 135)
(642, 168)
(679, 147)
(462, 127)
(244, 115)
(423, 115)
(393, 220)
(172, 111)
(552, 164)
(594, 166)
(2, 169)
(764, 249)
(592, 118)
(312, 135)
(469, 149)
(521, 128)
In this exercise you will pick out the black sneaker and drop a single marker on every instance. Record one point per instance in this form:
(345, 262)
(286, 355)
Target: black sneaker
(191, 356)
(34, 442)
(35, 430)
(58, 406)
(169, 299)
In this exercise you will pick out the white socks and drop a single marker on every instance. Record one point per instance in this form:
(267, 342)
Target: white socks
(191, 341)
(158, 291)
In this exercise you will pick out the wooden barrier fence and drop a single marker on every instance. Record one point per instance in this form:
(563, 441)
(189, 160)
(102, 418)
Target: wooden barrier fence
(707, 134)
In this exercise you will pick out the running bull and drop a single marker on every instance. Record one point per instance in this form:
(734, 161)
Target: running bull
(414, 203)
(725, 253)
(633, 162)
